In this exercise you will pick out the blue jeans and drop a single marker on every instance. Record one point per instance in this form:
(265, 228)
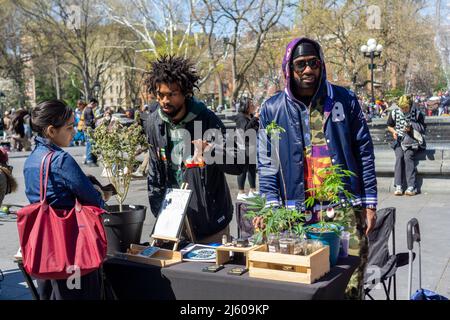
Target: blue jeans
(90, 158)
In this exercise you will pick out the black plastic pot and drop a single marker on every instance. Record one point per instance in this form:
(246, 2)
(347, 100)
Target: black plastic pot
(123, 227)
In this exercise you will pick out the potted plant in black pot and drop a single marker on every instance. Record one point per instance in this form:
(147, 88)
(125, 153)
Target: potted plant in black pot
(335, 218)
(116, 145)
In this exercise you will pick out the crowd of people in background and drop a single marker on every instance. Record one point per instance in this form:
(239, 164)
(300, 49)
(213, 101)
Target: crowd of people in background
(430, 105)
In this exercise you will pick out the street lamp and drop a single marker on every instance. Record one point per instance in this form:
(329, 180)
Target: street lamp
(372, 50)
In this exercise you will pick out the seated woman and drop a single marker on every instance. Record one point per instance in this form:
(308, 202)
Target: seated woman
(54, 121)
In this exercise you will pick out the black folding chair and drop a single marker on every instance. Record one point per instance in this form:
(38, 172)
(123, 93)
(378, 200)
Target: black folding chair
(382, 265)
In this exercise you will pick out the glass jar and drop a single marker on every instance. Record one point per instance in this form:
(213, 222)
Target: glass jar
(312, 246)
(298, 245)
(273, 244)
(287, 243)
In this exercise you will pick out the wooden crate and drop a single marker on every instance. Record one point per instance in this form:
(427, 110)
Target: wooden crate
(223, 253)
(289, 267)
(162, 258)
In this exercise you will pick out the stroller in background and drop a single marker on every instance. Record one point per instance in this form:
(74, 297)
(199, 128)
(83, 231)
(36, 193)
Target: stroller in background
(413, 235)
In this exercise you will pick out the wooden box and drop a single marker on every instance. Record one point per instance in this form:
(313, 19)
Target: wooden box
(223, 253)
(288, 267)
(162, 258)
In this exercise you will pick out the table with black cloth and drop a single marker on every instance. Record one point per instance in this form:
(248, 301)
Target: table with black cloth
(187, 281)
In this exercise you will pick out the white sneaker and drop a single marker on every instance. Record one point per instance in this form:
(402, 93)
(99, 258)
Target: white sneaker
(398, 191)
(411, 191)
(242, 197)
(252, 194)
(137, 174)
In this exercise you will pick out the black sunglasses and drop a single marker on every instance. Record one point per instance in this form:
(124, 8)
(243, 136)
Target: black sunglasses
(300, 66)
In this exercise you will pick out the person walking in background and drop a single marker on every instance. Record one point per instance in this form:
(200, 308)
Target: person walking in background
(79, 137)
(247, 119)
(407, 126)
(7, 182)
(144, 115)
(6, 125)
(19, 139)
(89, 124)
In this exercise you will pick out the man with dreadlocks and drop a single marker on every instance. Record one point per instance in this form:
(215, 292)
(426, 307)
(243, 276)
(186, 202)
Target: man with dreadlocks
(170, 130)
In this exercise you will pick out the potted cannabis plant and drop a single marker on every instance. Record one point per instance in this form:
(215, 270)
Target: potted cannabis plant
(116, 146)
(335, 218)
(276, 219)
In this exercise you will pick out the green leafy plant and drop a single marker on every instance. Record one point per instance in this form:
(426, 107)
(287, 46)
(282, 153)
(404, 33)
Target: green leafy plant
(331, 190)
(117, 146)
(273, 130)
(276, 220)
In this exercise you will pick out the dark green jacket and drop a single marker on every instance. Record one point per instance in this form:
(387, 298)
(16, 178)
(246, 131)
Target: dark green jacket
(210, 209)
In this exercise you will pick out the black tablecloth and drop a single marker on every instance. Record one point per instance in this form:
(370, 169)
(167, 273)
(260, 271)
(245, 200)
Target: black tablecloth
(187, 281)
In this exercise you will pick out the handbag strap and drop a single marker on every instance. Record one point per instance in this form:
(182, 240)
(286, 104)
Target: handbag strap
(43, 186)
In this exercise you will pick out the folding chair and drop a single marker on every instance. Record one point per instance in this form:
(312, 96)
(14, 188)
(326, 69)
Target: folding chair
(382, 265)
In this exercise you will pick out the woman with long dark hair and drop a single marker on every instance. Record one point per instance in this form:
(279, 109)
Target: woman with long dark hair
(247, 119)
(54, 122)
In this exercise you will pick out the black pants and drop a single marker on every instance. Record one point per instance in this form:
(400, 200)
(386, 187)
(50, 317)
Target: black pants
(404, 161)
(251, 169)
(90, 288)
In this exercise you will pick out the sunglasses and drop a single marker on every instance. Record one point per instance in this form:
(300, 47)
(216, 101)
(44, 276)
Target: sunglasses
(300, 66)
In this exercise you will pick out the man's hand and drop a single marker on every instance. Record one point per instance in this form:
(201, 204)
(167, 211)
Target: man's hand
(394, 135)
(107, 195)
(371, 217)
(258, 223)
(201, 145)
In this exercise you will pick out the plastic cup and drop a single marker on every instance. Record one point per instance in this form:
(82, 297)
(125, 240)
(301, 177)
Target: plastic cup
(344, 244)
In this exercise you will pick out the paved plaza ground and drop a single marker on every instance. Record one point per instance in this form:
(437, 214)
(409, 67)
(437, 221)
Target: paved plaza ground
(432, 211)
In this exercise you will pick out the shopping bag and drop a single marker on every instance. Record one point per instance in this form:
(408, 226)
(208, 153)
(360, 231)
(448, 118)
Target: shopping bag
(57, 244)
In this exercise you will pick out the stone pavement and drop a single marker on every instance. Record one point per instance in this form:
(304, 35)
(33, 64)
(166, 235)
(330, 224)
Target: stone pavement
(432, 211)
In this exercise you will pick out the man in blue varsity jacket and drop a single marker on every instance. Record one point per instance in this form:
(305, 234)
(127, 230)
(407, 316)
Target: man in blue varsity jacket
(324, 125)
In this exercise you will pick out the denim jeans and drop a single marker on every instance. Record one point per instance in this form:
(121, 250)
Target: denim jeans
(90, 158)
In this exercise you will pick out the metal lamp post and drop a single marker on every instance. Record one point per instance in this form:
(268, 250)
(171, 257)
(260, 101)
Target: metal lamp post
(372, 50)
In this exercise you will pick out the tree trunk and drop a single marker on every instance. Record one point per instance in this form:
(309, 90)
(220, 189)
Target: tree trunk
(220, 89)
(57, 85)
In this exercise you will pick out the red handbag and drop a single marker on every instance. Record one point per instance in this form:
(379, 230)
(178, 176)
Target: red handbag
(57, 243)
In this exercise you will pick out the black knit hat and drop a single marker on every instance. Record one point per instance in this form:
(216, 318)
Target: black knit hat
(305, 49)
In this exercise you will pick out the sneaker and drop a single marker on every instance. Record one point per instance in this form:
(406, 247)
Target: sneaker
(398, 191)
(91, 164)
(410, 191)
(253, 194)
(137, 174)
(242, 197)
